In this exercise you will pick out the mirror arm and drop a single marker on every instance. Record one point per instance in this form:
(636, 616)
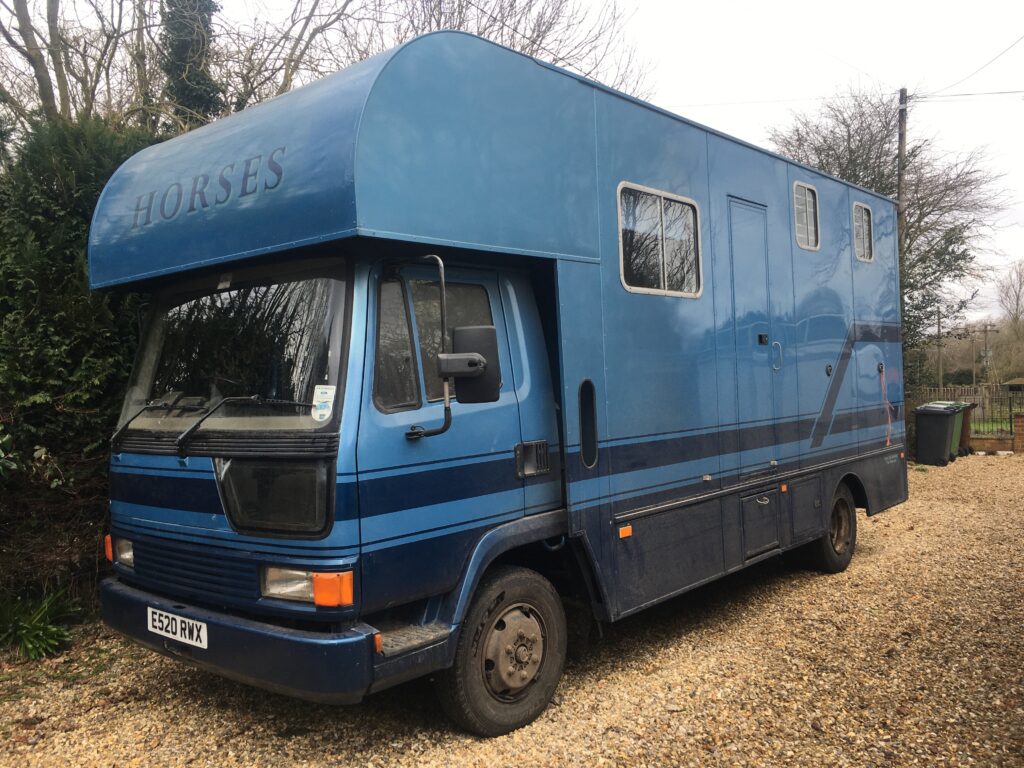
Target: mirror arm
(416, 432)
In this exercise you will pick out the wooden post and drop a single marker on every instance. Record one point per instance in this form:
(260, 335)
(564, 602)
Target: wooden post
(901, 170)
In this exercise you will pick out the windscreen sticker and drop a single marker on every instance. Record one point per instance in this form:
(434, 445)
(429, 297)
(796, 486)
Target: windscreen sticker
(323, 402)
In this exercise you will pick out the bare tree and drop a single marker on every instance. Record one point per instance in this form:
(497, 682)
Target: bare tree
(564, 32)
(1010, 289)
(102, 57)
(952, 199)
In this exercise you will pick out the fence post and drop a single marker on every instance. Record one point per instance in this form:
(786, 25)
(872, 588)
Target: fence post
(1018, 433)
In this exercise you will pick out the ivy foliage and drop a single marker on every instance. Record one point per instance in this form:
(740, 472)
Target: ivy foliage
(65, 352)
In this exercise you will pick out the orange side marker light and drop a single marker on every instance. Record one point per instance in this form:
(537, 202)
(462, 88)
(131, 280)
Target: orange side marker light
(108, 548)
(331, 590)
(903, 455)
(625, 531)
(378, 643)
(784, 488)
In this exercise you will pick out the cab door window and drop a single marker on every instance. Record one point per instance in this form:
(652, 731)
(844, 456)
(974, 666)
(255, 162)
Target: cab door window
(467, 304)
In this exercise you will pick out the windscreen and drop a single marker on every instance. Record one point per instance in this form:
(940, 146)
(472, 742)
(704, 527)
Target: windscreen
(276, 343)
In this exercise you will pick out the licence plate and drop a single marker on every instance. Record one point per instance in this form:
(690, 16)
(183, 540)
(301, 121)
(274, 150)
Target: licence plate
(178, 628)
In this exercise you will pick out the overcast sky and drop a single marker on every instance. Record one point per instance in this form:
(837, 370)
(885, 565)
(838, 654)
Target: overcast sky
(744, 67)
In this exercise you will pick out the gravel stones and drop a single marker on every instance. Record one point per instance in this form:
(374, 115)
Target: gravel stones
(913, 656)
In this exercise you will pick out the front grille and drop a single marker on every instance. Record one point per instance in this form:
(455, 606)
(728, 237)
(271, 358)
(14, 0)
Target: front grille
(195, 572)
(281, 444)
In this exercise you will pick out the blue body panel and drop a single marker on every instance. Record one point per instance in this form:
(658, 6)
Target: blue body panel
(511, 169)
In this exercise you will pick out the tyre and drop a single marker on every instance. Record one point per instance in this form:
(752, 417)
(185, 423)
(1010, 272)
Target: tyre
(510, 654)
(833, 551)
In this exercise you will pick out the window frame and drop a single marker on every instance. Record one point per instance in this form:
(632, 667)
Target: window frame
(661, 213)
(413, 348)
(870, 239)
(817, 215)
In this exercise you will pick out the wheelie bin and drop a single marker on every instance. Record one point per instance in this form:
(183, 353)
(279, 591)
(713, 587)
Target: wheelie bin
(935, 425)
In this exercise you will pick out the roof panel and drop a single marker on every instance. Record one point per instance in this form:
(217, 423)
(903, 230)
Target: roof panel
(272, 177)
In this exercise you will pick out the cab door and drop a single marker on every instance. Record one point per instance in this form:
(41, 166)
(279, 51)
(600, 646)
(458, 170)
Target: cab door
(424, 502)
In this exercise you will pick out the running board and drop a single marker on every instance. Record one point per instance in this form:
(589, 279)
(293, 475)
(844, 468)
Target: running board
(402, 638)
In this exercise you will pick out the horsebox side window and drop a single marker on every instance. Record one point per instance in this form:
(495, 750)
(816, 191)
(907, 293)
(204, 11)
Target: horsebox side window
(863, 236)
(805, 214)
(395, 384)
(660, 252)
(466, 304)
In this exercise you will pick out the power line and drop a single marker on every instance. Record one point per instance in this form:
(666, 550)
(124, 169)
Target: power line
(929, 97)
(833, 97)
(994, 58)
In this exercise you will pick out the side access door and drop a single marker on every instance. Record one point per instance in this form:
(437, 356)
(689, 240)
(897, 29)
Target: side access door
(759, 362)
(424, 502)
(759, 351)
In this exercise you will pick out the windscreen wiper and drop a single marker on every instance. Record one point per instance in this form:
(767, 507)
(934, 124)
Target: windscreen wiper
(183, 438)
(116, 437)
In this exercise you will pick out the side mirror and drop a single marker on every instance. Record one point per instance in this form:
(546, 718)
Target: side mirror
(474, 362)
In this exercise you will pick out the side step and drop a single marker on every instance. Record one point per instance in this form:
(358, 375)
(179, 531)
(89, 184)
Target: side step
(402, 638)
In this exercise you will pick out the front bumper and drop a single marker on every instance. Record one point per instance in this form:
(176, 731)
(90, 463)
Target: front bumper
(334, 668)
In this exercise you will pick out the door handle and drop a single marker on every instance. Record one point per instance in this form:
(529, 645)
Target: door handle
(762, 500)
(777, 346)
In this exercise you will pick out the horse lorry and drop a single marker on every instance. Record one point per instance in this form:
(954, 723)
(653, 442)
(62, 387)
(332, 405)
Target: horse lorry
(453, 344)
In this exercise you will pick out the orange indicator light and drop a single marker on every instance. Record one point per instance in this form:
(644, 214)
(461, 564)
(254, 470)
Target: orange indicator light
(108, 548)
(625, 531)
(784, 487)
(331, 590)
(378, 643)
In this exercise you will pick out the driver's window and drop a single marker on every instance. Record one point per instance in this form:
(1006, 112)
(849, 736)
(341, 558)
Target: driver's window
(467, 304)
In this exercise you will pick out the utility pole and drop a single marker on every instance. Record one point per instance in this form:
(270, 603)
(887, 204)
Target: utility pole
(938, 342)
(974, 358)
(987, 354)
(901, 170)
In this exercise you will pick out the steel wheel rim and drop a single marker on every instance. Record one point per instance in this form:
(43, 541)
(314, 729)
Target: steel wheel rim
(513, 652)
(841, 528)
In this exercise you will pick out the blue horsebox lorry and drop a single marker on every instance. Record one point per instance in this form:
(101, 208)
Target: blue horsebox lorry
(452, 344)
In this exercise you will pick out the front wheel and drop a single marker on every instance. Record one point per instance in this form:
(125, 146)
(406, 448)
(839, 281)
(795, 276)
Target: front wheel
(510, 654)
(833, 551)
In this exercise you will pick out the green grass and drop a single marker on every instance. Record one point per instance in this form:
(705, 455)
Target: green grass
(982, 427)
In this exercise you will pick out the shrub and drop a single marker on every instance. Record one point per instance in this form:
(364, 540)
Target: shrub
(35, 626)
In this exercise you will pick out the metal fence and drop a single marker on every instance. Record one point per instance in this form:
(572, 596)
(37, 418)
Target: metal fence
(994, 415)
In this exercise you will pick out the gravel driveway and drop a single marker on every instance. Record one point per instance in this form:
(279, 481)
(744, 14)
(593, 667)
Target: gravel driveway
(913, 656)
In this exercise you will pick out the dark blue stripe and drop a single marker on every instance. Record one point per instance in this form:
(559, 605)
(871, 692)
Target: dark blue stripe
(186, 493)
(686, 493)
(191, 494)
(380, 496)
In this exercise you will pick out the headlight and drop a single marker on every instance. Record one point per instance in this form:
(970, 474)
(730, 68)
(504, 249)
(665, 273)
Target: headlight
(288, 584)
(327, 590)
(124, 553)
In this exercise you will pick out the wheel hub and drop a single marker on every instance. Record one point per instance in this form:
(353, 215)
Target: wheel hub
(513, 651)
(840, 532)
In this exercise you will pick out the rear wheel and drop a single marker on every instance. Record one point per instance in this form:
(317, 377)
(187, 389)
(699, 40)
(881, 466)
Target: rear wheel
(833, 551)
(510, 654)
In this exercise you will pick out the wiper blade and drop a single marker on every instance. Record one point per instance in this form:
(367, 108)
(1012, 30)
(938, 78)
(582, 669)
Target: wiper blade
(182, 440)
(116, 437)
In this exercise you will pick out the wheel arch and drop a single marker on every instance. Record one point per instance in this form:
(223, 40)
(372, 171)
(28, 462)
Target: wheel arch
(860, 495)
(539, 542)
